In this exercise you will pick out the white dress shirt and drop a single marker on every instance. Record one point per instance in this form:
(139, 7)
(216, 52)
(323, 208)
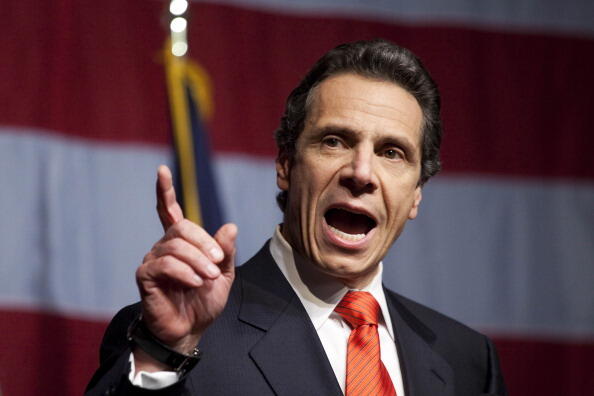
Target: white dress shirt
(319, 295)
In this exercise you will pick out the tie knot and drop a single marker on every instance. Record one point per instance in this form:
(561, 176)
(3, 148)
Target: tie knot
(358, 308)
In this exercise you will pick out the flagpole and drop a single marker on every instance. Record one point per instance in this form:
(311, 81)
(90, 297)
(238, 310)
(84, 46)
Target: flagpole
(175, 64)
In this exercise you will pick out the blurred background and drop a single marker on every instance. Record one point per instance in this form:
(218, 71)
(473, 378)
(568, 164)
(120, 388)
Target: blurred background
(505, 237)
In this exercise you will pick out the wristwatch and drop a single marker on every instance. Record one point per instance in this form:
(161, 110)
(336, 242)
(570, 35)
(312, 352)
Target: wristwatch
(140, 335)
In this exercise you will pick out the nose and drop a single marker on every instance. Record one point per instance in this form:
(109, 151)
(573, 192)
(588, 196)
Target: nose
(359, 175)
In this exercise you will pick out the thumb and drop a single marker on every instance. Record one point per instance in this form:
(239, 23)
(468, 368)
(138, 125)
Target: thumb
(225, 237)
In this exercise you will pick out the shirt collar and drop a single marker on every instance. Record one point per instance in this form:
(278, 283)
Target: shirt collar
(318, 294)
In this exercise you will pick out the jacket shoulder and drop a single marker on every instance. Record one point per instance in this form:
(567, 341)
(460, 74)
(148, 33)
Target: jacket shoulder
(471, 354)
(430, 322)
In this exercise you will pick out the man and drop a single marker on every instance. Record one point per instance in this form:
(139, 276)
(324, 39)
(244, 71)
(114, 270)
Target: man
(308, 314)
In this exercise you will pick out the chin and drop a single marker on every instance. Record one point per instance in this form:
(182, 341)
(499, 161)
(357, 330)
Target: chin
(349, 267)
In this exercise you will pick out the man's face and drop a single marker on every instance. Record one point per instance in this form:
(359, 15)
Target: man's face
(354, 179)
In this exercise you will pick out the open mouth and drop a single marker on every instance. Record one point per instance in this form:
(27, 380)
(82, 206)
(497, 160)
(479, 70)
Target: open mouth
(348, 225)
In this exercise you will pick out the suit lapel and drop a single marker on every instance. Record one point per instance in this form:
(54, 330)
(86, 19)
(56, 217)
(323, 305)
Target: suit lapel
(289, 354)
(424, 371)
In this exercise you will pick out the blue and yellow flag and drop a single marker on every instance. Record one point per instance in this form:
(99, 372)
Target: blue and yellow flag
(190, 102)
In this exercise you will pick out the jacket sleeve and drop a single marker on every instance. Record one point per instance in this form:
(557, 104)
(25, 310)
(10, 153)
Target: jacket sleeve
(111, 378)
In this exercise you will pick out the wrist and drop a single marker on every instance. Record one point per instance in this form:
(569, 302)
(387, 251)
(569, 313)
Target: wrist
(153, 355)
(186, 345)
(145, 362)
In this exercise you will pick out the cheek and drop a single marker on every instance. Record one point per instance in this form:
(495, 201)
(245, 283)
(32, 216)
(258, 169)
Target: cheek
(302, 195)
(314, 178)
(397, 206)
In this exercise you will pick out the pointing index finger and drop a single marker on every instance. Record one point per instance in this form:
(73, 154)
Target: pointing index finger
(168, 208)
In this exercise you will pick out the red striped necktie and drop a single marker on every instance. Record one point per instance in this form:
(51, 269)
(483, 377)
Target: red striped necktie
(365, 373)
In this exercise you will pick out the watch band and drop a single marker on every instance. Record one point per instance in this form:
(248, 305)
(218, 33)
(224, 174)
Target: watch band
(141, 336)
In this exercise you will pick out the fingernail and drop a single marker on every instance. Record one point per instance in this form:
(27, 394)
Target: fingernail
(213, 270)
(198, 280)
(216, 254)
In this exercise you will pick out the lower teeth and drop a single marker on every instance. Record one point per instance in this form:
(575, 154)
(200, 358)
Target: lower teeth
(344, 235)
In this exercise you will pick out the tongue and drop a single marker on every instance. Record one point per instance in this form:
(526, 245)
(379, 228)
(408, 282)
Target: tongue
(348, 222)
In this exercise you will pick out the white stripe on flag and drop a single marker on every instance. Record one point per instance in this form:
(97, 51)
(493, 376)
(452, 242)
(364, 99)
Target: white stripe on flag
(505, 255)
(77, 219)
(511, 256)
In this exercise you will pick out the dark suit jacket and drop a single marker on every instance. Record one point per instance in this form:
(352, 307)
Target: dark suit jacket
(265, 344)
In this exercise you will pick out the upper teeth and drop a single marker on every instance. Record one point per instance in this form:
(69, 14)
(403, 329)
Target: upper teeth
(344, 235)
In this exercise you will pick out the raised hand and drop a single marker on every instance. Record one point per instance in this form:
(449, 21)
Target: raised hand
(184, 280)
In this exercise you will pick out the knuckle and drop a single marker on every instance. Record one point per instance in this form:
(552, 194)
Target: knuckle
(175, 245)
(185, 226)
(157, 249)
(166, 263)
(175, 231)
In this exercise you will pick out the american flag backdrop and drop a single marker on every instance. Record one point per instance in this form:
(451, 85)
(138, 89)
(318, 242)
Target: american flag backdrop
(505, 237)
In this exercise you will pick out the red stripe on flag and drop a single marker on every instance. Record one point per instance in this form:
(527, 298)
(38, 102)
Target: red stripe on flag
(45, 354)
(92, 70)
(543, 368)
(514, 103)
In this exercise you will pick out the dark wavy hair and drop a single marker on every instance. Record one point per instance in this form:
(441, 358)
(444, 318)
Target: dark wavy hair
(377, 59)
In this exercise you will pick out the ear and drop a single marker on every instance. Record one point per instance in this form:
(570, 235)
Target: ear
(414, 210)
(282, 172)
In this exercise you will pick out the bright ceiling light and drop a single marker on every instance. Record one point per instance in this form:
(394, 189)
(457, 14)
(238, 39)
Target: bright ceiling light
(178, 7)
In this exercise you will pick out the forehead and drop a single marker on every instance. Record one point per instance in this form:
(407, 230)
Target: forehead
(365, 105)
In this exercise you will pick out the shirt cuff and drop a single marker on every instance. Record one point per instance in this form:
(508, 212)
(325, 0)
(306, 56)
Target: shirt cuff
(152, 381)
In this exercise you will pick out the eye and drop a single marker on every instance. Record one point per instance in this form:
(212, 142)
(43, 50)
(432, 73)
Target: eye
(331, 141)
(392, 153)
